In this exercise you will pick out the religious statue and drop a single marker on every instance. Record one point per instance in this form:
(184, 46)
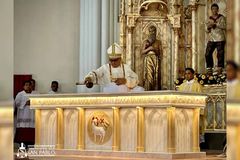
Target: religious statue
(216, 27)
(152, 60)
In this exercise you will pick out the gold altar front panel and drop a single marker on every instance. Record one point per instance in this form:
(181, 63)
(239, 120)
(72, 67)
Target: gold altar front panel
(48, 127)
(184, 125)
(70, 128)
(156, 129)
(128, 129)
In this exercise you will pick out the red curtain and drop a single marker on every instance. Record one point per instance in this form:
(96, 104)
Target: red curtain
(18, 82)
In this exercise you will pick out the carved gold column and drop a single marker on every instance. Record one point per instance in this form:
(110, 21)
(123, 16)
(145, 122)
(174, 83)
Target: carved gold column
(60, 140)
(176, 52)
(176, 23)
(37, 126)
(188, 58)
(129, 33)
(129, 46)
(122, 29)
(131, 20)
(81, 128)
(230, 31)
(140, 129)
(116, 129)
(130, 6)
(236, 31)
(194, 43)
(171, 144)
(122, 35)
(196, 114)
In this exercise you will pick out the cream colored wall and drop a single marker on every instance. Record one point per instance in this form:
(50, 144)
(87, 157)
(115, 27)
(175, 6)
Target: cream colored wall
(6, 50)
(6, 79)
(46, 42)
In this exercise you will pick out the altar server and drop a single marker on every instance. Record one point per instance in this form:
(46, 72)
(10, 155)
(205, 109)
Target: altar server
(191, 85)
(54, 88)
(25, 123)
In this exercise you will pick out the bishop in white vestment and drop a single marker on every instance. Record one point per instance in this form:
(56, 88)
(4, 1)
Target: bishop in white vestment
(115, 76)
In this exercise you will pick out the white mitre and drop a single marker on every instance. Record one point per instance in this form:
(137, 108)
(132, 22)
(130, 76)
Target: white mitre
(114, 51)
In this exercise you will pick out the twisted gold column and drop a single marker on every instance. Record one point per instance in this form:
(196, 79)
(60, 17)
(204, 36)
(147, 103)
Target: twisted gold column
(140, 129)
(81, 128)
(116, 129)
(171, 144)
(37, 126)
(60, 132)
(196, 115)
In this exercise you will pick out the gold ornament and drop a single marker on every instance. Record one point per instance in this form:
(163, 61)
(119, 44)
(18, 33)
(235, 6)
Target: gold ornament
(99, 127)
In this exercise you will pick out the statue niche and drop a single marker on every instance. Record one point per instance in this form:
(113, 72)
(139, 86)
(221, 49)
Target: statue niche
(150, 51)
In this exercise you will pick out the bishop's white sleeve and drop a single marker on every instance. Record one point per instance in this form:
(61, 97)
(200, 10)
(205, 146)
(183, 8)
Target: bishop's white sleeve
(96, 74)
(131, 77)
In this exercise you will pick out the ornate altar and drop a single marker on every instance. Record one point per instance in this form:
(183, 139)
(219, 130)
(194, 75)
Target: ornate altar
(163, 124)
(215, 110)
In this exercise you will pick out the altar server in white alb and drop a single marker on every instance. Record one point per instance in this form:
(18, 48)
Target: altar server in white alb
(25, 125)
(114, 76)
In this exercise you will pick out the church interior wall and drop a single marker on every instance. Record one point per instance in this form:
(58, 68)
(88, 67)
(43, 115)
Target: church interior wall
(6, 78)
(6, 50)
(46, 42)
